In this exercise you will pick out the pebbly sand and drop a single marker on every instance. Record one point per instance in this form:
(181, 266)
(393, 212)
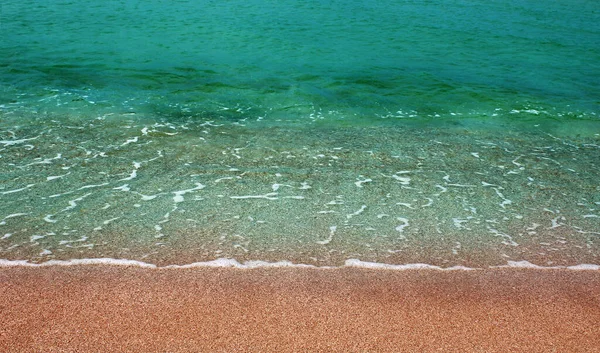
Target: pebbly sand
(101, 308)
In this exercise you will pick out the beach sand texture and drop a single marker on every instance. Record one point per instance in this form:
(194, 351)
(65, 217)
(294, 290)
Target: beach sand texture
(99, 308)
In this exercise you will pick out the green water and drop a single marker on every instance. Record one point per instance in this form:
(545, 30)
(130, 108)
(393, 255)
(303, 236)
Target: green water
(444, 132)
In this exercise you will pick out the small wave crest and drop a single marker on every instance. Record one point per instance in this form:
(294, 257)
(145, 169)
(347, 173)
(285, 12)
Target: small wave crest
(232, 263)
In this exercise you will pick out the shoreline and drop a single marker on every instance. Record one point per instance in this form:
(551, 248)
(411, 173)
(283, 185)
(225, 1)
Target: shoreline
(253, 264)
(89, 308)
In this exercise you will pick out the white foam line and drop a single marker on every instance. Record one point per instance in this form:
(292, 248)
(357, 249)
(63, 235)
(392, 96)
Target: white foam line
(505, 201)
(73, 203)
(269, 196)
(91, 186)
(3, 222)
(408, 205)
(360, 182)
(404, 224)
(52, 177)
(429, 202)
(16, 190)
(527, 264)
(110, 220)
(16, 142)
(441, 188)
(135, 139)
(179, 194)
(49, 219)
(232, 263)
(586, 267)
(149, 197)
(363, 207)
(124, 187)
(133, 174)
(509, 240)
(381, 266)
(102, 261)
(556, 223)
(402, 179)
(459, 221)
(332, 230)
(516, 163)
(226, 178)
(335, 202)
(45, 161)
(461, 185)
(58, 195)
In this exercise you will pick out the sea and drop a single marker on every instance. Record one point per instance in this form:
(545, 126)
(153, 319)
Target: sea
(435, 133)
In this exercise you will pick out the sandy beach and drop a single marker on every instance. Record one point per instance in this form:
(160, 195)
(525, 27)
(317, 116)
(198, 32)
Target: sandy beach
(99, 308)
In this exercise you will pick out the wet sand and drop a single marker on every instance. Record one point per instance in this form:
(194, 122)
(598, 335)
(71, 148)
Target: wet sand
(98, 308)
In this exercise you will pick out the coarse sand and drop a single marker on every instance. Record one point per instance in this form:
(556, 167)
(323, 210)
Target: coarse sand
(103, 308)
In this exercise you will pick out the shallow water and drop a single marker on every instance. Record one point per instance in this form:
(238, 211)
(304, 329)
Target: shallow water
(312, 132)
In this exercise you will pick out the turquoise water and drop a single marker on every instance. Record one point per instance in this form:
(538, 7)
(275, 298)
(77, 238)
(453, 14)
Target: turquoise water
(444, 132)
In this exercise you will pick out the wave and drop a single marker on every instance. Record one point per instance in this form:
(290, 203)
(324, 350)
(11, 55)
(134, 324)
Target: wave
(232, 263)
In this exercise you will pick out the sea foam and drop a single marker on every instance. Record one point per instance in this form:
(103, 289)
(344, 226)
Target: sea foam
(232, 263)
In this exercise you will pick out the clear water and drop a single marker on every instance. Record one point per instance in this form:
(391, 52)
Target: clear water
(444, 132)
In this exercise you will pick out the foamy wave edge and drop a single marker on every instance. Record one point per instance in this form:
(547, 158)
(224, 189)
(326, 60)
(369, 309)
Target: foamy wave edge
(232, 263)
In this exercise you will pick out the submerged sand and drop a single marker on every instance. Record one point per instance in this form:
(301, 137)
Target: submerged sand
(103, 308)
